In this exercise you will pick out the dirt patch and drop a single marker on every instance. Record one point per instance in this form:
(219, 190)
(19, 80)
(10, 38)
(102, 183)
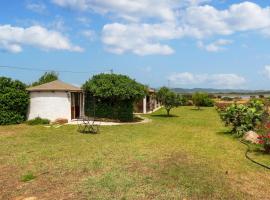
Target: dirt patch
(45, 186)
(7, 133)
(12, 130)
(183, 176)
(252, 184)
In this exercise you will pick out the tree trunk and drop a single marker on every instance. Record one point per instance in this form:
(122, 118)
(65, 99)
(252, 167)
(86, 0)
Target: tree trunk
(168, 112)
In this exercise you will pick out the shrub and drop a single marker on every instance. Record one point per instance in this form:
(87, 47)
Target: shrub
(38, 121)
(221, 106)
(201, 99)
(14, 100)
(265, 141)
(243, 118)
(264, 138)
(227, 99)
(112, 96)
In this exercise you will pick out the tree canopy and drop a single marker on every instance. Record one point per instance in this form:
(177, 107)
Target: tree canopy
(14, 101)
(46, 78)
(112, 96)
(114, 86)
(169, 99)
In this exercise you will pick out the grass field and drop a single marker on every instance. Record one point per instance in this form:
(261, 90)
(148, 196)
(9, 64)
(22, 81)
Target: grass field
(188, 156)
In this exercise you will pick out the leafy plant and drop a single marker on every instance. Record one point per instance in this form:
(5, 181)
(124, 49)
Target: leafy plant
(14, 100)
(243, 118)
(38, 121)
(264, 138)
(201, 99)
(169, 99)
(265, 141)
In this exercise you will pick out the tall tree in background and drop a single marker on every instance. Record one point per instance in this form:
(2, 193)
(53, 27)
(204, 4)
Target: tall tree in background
(46, 78)
(169, 99)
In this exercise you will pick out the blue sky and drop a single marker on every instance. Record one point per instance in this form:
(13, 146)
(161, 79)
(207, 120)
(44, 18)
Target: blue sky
(188, 43)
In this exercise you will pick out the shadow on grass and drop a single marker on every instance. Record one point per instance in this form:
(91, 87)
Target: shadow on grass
(196, 109)
(225, 132)
(164, 115)
(229, 133)
(258, 151)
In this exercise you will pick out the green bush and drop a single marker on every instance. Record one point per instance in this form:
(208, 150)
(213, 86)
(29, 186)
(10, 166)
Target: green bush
(201, 99)
(14, 100)
(38, 121)
(227, 99)
(243, 118)
(112, 96)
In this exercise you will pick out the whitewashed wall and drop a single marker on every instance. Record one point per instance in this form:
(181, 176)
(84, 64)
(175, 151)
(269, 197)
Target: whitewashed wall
(49, 105)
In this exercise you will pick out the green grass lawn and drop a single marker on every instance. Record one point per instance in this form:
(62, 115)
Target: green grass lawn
(188, 156)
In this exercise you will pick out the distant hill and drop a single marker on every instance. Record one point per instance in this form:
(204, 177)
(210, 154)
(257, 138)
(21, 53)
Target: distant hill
(220, 91)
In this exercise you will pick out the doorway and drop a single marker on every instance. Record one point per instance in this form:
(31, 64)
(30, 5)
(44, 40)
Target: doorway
(76, 104)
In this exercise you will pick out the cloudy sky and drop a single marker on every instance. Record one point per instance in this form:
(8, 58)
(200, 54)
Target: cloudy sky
(183, 43)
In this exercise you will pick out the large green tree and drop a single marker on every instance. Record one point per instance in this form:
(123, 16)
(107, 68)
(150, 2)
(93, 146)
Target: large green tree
(14, 100)
(169, 99)
(46, 78)
(114, 96)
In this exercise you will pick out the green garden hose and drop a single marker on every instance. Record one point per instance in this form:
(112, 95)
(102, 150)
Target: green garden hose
(249, 158)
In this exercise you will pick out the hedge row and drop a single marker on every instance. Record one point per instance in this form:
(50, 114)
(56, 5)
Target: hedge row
(106, 108)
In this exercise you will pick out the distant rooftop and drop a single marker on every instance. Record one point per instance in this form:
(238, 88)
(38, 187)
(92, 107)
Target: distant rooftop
(55, 86)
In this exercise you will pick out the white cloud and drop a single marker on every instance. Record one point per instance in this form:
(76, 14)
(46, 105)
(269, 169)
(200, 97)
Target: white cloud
(134, 10)
(58, 24)
(212, 80)
(206, 20)
(84, 20)
(37, 7)
(89, 34)
(175, 19)
(266, 71)
(141, 39)
(215, 46)
(13, 38)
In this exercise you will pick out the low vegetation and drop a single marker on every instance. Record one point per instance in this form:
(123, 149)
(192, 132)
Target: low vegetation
(28, 177)
(253, 115)
(201, 99)
(243, 118)
(188, 156)
(38, 121)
